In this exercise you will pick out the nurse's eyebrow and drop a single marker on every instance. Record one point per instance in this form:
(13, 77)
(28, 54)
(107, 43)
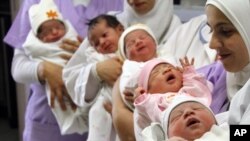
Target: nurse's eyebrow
(219, 23)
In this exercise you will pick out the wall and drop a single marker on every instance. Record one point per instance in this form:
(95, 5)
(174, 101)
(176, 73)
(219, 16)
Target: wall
(21, 90)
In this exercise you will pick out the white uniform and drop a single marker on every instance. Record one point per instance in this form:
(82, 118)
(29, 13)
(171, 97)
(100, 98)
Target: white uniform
(191, 40)
(238, 83)
(160, 19)
(90, 93)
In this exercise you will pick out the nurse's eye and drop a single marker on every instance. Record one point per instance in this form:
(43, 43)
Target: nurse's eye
(227, 32)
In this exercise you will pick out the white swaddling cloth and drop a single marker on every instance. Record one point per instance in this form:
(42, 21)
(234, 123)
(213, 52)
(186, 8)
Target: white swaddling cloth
(69, 121)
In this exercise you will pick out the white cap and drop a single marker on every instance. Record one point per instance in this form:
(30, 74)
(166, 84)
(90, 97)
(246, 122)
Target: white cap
(39, 13)
(134, 27)
(179, 99)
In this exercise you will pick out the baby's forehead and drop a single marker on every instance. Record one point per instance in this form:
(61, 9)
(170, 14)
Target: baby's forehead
(100, 24)
(188, 104)
(163, 64)
(51, 22)
(136, 32)
(97, 29)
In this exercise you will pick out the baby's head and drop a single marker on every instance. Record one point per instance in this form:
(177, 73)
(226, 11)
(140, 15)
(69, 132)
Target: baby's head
(138, 43)
(104, 32)
(46, 21)
(187, 117)
(160, 76)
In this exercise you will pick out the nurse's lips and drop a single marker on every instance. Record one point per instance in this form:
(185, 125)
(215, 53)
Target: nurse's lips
(139, 4)
(223, 56)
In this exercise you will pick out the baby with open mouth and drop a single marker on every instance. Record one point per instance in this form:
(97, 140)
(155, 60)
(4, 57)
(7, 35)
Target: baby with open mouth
(187, 119)
(159, 82)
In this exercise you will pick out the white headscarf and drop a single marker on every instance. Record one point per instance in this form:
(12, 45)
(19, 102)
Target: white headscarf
(238, 13)
(191, 40)
(160, 19)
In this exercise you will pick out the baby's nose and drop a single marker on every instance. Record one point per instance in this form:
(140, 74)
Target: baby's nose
(188, 112)
(54, 31)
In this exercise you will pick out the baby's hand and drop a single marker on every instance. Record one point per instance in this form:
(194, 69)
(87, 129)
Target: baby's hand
(186, 63)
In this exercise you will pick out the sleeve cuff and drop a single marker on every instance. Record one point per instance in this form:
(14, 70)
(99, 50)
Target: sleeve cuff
(94, 73)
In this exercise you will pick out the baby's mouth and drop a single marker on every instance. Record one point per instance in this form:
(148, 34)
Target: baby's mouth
(140, 48)
(192, 121)
(170, 78)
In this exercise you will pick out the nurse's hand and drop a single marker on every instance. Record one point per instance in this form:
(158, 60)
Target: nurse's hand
(108, 107)
(52, 74)
(109, 70)
(70, 46)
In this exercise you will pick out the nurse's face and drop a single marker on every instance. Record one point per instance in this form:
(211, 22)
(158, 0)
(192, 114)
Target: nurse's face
(227, 41)
(142, 6)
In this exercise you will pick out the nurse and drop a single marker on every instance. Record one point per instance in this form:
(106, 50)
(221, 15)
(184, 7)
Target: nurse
(231, 39)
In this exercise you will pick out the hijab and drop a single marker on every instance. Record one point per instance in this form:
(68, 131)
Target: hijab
(160, 19)
(237, 13)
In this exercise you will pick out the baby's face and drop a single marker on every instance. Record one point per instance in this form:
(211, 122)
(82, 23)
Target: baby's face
(51, 31)
(104, 38)
(190, 120)
(165, 78)
(140, 46)
(142, 6)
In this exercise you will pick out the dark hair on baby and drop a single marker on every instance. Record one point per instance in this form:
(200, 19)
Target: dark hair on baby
(110, 20)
